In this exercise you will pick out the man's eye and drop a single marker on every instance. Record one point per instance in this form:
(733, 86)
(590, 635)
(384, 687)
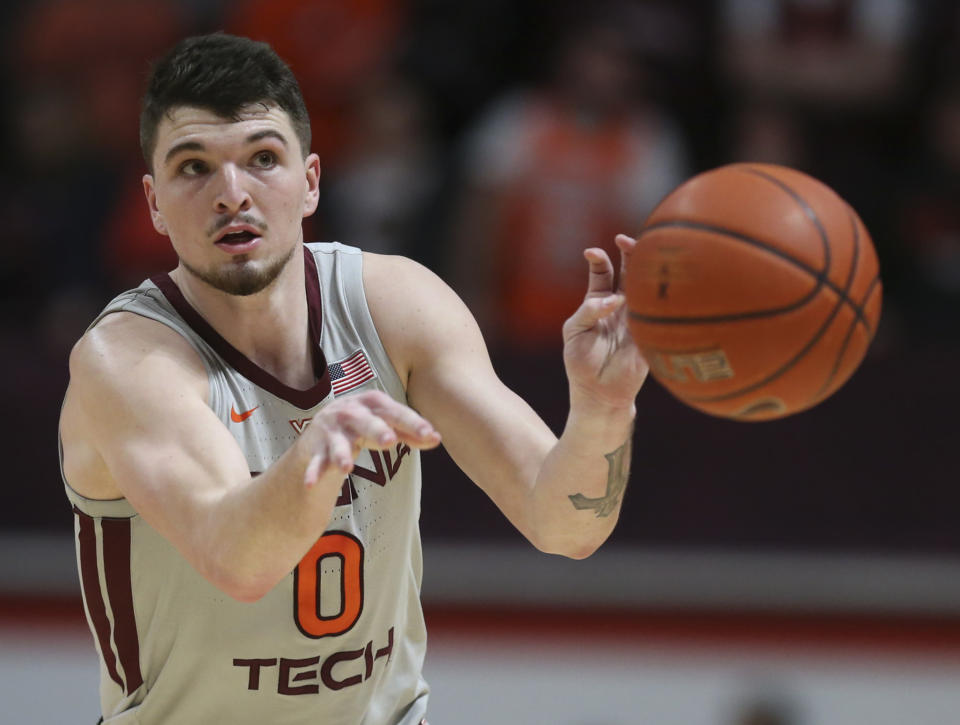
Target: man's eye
(265, 159)
(193, 168)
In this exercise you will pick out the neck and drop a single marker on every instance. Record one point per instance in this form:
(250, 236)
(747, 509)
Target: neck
(271, 327)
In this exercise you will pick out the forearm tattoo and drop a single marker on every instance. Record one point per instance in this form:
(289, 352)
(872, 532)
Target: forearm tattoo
(619, 465)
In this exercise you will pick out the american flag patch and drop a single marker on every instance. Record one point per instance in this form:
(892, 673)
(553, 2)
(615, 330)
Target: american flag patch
(350, 372)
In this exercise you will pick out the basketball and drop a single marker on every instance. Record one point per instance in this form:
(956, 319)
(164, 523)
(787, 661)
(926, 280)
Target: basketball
(753, 292)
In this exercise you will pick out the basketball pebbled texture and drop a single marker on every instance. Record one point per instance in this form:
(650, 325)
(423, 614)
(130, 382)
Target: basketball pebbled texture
(754, 291)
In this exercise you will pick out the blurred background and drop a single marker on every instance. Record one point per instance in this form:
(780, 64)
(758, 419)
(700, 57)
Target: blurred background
(800, 572)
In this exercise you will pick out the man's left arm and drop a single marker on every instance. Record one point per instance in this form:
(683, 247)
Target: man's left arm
(563, 494)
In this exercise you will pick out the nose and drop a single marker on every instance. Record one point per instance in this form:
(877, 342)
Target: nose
(231, 196)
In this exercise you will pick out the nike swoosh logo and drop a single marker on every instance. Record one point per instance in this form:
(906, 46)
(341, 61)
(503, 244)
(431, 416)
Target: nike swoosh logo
(240, 417)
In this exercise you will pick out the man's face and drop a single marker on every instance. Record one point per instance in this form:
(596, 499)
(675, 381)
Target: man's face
(231, 195)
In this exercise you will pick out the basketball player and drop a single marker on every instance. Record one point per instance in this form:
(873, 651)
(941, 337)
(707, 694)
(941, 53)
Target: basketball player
(241, 436)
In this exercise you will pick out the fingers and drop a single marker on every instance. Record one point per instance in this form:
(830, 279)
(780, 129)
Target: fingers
(375, 420)
(600, 278)
(592, 311)
(334, 454)
(626, 245)
(368, 420)
(404, 422)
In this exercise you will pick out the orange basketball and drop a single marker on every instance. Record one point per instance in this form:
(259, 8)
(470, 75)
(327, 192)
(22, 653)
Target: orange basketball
(754, 291)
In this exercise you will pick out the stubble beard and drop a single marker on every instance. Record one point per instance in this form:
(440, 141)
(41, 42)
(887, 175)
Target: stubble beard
(241, 277)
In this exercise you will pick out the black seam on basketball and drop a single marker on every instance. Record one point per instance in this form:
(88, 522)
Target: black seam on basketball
(733, 317)
(821, 394)
(780, 371)
(822, 281)
(820, 275)
(854, 262)
(807, 209)
(874, 284)
(858, 308)
(717, 319)
(793, 361)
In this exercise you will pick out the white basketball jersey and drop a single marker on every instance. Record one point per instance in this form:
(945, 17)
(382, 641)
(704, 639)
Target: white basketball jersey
(341, 640)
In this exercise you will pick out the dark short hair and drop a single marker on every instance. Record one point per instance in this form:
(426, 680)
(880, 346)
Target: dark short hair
(224, 74)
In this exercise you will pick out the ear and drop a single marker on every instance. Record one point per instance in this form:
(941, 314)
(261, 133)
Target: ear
(155, 216)
(312, 198)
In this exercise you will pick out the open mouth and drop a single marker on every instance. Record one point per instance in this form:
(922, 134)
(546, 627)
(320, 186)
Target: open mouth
(236, 238)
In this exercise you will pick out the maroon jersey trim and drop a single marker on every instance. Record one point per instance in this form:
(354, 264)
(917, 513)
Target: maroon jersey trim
(303, 399)
(90, 580)
(116, 570)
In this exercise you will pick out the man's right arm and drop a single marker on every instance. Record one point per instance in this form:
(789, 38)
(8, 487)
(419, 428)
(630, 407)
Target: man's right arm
(136, 413)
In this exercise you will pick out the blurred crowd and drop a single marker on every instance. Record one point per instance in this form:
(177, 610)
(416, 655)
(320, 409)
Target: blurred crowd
(489, 139)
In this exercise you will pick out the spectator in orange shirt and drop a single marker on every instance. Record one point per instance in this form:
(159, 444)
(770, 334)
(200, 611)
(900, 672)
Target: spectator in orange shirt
(550, 167)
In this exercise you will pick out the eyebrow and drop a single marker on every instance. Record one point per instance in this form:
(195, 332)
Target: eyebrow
(197, 146)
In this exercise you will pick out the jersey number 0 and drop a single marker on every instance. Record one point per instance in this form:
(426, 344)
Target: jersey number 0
(308, 580)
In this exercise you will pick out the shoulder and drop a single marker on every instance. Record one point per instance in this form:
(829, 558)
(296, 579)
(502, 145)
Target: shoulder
(415, 312)
(125, 349)
(124, 372)
(396, 285)
(391, 271)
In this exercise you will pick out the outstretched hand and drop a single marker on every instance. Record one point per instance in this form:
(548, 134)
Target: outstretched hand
(366, 420)
(603, 363)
